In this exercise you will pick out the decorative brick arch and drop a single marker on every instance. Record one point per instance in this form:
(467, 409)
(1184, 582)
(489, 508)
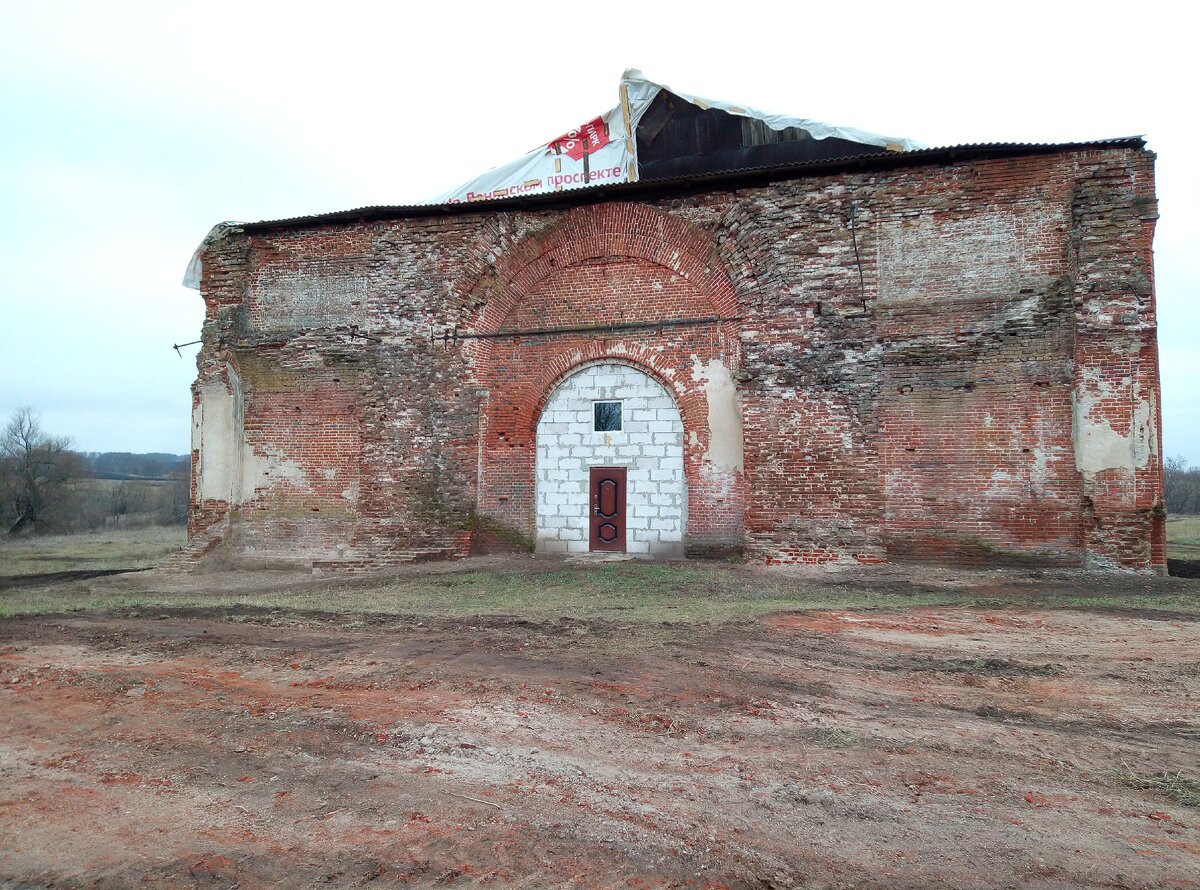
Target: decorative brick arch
(593, 266)
(613, 229)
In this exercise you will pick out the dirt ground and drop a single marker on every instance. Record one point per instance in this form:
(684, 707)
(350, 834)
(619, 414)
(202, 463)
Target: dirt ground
(958, 746)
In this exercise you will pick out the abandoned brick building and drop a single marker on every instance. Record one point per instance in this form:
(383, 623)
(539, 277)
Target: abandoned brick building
(690, 328)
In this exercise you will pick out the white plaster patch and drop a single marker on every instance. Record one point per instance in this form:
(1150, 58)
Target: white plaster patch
(1041, 463)
(263, 470)
(725, 451)
(1099, 447)
(217, 433)
(229, 469)
(649, 445)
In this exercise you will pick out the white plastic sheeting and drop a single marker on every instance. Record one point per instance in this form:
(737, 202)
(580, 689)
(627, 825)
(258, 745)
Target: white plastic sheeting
(195, 266)
(600, 152)
(603, 150)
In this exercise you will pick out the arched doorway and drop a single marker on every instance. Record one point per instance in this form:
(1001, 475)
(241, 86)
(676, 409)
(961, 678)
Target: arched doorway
(610, 465)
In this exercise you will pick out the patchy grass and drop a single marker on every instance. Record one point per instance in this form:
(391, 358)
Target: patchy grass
(644, 593)
(629, 592)
(128, 548)
(1183, 537)
(831, 737)
(1181, 789)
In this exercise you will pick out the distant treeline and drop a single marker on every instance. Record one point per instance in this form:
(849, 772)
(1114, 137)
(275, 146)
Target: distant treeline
(122, 503)
(47, 487)
(1181, 486)
(123, 465)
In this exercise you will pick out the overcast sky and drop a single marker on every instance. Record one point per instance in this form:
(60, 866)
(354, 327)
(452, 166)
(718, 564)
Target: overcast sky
(128, 129)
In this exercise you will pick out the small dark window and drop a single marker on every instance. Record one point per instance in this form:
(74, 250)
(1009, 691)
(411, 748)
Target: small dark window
(607, 417)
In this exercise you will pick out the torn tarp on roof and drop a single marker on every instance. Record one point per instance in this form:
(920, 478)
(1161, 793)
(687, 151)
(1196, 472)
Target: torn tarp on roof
(655, 132)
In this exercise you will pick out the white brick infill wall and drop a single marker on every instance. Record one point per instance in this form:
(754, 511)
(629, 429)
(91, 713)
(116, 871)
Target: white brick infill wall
(649, 444)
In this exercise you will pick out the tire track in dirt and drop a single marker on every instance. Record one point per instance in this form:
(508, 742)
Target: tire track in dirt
(832, 749)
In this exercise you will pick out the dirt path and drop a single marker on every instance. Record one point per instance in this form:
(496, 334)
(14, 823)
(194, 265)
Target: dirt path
(952, 747)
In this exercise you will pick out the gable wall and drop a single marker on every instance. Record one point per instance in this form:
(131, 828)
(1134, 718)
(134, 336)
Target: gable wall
(987, 391)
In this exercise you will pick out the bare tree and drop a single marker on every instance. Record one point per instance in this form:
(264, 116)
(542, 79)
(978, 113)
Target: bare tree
(1181, 486)
(35, 472)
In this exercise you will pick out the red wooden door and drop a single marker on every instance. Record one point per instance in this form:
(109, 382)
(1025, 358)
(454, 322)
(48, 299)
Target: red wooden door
(608, 509)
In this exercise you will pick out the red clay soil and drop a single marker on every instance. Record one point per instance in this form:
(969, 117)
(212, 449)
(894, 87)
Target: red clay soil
(959, 748)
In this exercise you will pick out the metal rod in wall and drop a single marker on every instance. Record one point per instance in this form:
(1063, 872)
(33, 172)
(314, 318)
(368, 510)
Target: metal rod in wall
(591, 329)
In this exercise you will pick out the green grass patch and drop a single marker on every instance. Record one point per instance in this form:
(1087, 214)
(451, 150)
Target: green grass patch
(1181, 789)
(1183, 537)
(831, 737)
(623, 592)
(130, 548)
(633, 591)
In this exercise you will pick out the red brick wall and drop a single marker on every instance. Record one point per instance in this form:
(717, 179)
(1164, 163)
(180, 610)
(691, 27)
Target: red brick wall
(1116, 384)
(622, 263)
(952, 361)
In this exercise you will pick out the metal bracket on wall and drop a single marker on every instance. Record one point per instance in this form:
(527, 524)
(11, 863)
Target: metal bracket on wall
(447, 338)
(355, 332)
(862, 287)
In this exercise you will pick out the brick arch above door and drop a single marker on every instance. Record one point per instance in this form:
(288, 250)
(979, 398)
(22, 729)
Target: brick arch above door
(621, 281)
(498, 282)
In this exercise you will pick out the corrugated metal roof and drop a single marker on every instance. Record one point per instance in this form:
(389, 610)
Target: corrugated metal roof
(591, 194)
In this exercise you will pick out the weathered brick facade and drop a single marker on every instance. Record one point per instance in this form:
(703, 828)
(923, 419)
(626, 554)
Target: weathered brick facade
(947, 356)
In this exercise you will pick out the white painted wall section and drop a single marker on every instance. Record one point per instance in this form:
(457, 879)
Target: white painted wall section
(650, 445)
(217, 434)
(229, 469)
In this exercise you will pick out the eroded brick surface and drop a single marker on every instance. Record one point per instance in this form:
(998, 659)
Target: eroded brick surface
(966, 370)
